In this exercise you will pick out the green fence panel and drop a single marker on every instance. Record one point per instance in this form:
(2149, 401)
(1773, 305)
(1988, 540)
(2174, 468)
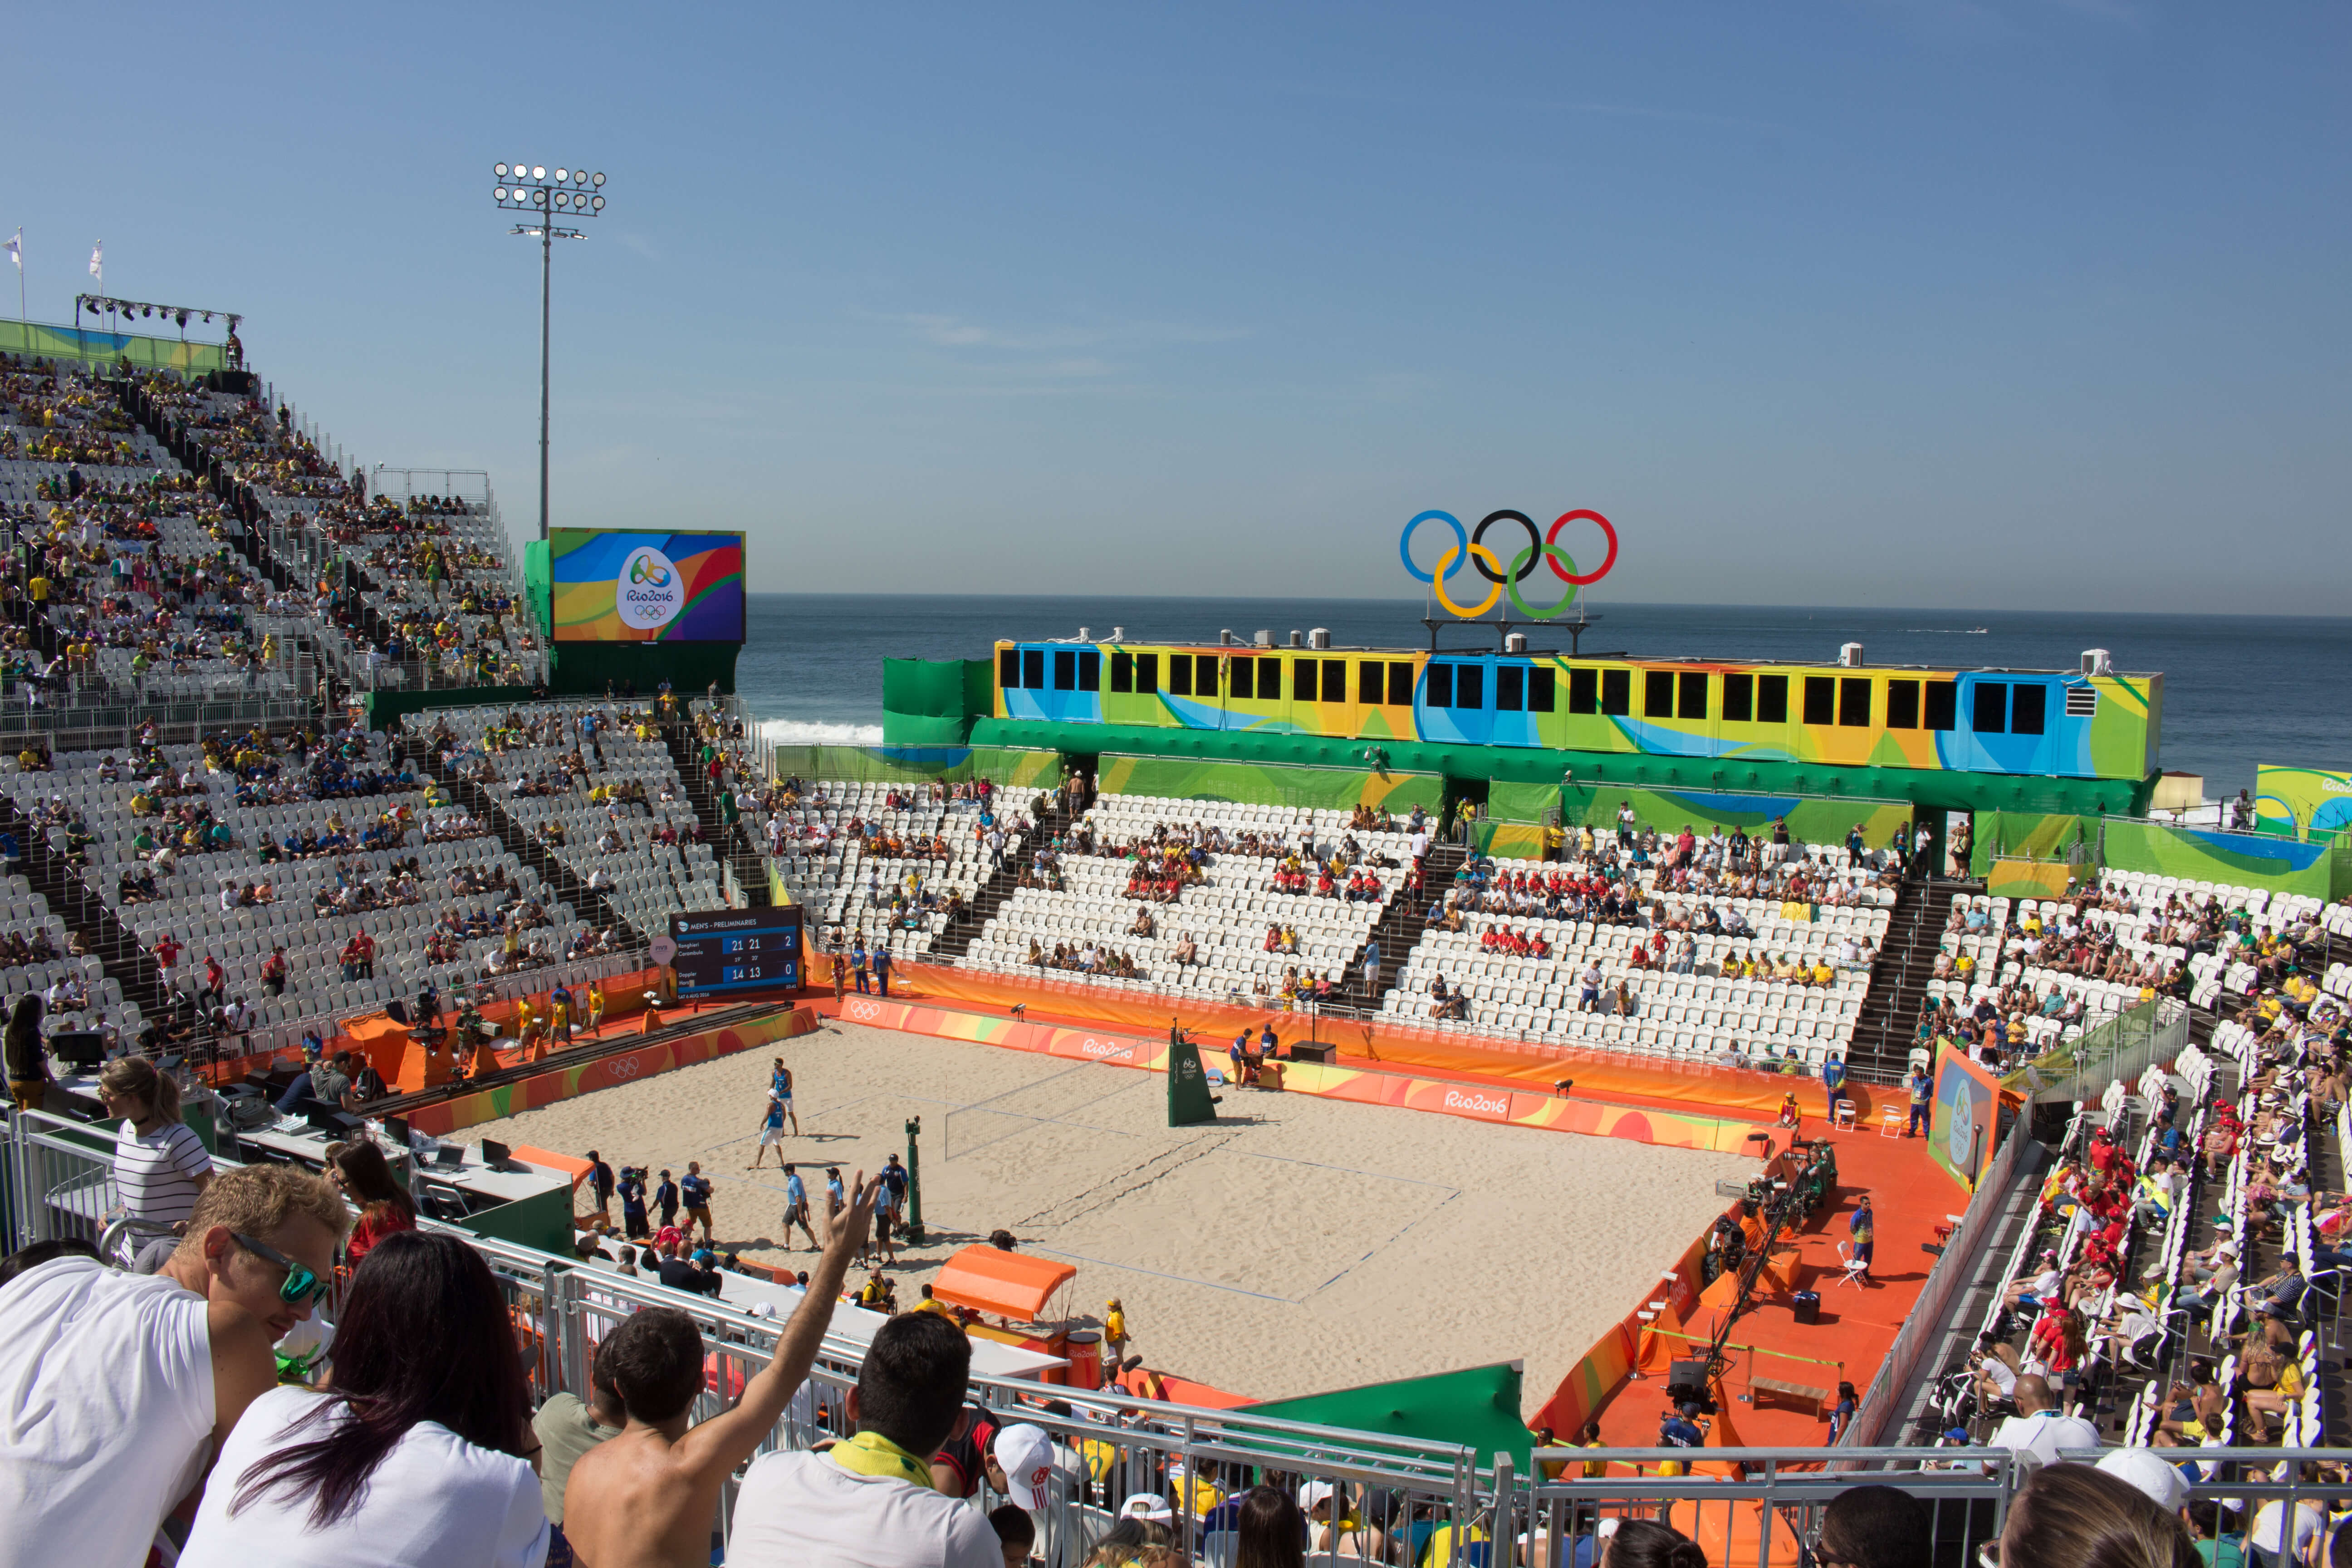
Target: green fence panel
(93, 347)
(2200, 855)
(1267, 784)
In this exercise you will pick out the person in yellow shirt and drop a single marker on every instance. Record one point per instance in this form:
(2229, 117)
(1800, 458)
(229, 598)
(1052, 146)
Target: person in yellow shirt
(1114, 1334)
(595, 1007)
(930, 1303)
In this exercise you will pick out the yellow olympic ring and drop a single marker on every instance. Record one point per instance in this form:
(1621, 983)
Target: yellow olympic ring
(1494, 588)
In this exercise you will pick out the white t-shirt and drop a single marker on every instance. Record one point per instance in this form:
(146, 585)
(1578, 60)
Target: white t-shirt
(802, 1510)
(106, 1412)
(436, 1499)
(2310, 1523)
(2044, 1433)
(155, 1173)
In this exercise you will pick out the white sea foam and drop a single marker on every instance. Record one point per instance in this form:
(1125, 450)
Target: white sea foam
(800, 732)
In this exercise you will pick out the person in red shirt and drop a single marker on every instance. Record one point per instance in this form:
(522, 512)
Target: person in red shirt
(215, 981)
(361, 1174)
(167, 959)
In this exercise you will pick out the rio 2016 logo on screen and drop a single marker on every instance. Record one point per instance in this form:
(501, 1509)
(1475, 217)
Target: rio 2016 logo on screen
(620, 586)
(649, 594)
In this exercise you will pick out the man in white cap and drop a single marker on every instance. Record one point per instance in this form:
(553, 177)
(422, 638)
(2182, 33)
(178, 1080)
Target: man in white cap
(2165, 1485)
(2213, 1282)
(1021, 1466)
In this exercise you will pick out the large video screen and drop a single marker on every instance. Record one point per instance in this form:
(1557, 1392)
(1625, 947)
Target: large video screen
(737, 949)
(612, 586)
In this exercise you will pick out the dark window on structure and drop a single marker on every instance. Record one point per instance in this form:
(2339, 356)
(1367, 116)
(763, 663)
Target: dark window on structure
(2027, 703)
(1470, 686)
(1739, 698)
(1540, 685)
(1821, 700)
(1658, 694)
(1302, 681)
(1854, 702)
(1902, 704)
(1400, 681)
(1583, 691)
(1771, 700)
(1033, 668)
(1441, 685)
(1335, 680)
(1371, 675)
(1090, 671)
(1269, 680)
(1147, 672)
(1692, 701)
(1008, 667)
(1941, 701)
(1510, 687)
(1204, 676)
(1243, 682)
(1122, 672)
(1179, 675)
(1991, 708)
(1617, 692)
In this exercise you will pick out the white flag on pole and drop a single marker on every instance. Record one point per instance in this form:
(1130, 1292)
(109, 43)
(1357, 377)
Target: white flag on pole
(97, 262)
(16, 248)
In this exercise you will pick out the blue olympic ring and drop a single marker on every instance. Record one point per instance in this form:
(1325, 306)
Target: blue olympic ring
(1460, 553)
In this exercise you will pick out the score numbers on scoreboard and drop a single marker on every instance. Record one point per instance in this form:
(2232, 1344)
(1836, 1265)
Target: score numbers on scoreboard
(721, 951)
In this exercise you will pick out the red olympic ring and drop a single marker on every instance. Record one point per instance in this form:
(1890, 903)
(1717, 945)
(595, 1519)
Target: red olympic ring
(1590, 577)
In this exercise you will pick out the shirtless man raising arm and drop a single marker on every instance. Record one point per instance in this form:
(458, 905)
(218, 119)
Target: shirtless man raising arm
(648, 1497)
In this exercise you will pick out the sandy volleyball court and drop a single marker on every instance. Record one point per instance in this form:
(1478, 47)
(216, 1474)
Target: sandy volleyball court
(1297, 1245)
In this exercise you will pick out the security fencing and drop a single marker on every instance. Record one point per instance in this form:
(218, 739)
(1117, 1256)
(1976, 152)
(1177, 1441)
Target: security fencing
(1396, 1500)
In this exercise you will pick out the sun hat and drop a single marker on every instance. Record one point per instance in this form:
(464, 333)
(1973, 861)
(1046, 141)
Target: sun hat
(1149, 1506)
(1310, 1493)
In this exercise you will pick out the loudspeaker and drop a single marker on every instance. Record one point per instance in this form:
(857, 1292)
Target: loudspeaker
(1808, 1304)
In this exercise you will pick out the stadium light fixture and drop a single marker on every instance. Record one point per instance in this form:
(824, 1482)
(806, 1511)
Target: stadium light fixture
(528, 187)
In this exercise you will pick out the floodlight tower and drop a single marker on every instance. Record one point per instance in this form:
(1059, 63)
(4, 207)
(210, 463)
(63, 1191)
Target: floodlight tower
(528, 188)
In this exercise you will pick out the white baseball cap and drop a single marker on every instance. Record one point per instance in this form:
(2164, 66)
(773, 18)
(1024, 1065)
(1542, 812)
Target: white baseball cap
(2163, 1484)
(1313, 1492)
(1026, 1454)
(1149, 1506)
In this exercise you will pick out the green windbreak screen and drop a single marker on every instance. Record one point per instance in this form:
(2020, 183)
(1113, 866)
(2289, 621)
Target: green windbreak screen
(1267, 784)
(45, 342)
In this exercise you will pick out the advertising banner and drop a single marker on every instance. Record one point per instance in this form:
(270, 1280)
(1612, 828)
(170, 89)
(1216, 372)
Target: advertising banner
(609, 586)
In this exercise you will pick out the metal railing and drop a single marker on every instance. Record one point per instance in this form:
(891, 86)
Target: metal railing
(2118, 1050)
(1954, 1272)
(1403, 1502)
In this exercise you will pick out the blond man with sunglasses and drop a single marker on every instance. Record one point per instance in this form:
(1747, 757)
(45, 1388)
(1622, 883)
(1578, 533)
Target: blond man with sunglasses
(143, 1376)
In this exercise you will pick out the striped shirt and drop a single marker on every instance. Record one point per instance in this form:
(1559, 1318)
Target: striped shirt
(155, 1173)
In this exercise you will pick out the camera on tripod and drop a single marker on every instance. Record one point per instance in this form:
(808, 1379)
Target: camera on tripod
(1686, 1385)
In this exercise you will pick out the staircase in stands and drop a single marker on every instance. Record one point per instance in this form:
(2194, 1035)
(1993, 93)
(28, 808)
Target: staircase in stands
(1881, 1046)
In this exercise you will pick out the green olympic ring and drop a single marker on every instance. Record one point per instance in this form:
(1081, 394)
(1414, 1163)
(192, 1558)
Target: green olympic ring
(1556, 555)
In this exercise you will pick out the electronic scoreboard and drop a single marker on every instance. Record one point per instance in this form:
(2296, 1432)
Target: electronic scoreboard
(720, 951)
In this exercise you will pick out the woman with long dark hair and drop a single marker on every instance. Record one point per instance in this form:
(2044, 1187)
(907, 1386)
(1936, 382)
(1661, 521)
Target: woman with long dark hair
(418, 1453)
(361, 1174)
(1269, 1531)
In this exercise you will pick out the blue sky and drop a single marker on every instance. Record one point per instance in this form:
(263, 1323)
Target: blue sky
(2031, 305)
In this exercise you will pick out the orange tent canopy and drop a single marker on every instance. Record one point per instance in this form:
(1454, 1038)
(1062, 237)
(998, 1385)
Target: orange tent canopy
(1009, 1284)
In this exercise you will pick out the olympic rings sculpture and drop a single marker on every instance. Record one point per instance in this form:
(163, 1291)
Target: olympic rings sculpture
(1470, 549)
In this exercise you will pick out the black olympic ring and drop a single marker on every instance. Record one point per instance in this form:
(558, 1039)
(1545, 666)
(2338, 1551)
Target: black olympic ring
(1534, 544)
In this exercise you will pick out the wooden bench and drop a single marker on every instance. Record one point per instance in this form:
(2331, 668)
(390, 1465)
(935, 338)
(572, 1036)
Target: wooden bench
(1809, 1400)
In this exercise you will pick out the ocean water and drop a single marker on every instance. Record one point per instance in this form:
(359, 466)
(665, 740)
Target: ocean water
(2238, 689)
